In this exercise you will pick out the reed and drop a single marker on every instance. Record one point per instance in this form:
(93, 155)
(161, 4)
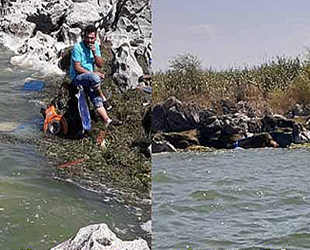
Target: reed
(274, 85)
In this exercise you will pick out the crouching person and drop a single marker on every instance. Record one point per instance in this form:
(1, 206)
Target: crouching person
(84, 57)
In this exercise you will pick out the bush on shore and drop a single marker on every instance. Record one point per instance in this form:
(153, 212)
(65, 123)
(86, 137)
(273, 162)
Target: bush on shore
(275, 86)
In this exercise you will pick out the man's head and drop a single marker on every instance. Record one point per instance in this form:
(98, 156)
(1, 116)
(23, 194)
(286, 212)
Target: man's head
(89, 35)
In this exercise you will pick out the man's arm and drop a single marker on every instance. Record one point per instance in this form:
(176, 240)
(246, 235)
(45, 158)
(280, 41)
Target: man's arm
(98, 59)
(79, 69)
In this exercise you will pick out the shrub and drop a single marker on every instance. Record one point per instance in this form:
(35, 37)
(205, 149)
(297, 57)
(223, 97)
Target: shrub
(275, 85)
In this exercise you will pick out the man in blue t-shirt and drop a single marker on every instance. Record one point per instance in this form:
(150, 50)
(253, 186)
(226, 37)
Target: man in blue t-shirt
(85, 55)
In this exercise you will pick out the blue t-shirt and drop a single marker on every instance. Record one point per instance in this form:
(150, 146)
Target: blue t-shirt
(80, 53)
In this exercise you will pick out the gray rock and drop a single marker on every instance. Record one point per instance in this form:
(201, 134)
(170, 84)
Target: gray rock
(183, 139)
(258, 141)
(38, 52)
(300, 134)
(162, 146)
(127, 24)
(174, 116)
(81, 14)
(99, 237)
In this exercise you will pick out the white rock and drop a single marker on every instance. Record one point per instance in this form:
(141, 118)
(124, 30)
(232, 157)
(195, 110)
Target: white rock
(81, 14)
(38, 53)
(99, 237)
(127, 26)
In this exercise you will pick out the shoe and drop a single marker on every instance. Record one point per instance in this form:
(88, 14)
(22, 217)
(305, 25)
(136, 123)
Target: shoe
(113, 123)
(116, 123)
(107, 106)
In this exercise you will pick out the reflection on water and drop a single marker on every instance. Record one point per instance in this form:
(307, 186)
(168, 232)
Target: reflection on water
(239, 199)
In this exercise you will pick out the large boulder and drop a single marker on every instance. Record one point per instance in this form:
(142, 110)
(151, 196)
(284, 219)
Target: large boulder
(38, 50)
(99, 237)
(290, 130)
(126, 24)
(209, 128)
(174, 116)
(221, 131)
(282, 137)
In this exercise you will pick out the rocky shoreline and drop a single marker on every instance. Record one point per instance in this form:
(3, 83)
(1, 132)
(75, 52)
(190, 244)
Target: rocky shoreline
(179, 125)
(41, 34)
(99, 237)
(40, 31)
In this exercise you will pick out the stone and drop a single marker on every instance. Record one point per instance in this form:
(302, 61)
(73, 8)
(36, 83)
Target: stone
(209, 128)
(81, 14)
(126, 24)
(38, 52)
(16, 31)
(258, 141)
(254, 125)
(99, 237)
(174, 116)
(228, 107)
(162, 147)
(283, 138)
(183, 139)
(300, 134)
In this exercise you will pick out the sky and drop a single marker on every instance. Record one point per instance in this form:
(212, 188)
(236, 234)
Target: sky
(229, 33)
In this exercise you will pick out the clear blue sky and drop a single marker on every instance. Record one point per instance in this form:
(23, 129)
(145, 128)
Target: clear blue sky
(226, 33)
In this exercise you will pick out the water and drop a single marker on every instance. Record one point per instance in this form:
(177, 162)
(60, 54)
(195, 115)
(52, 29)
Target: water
(239, 199)
(37, 211)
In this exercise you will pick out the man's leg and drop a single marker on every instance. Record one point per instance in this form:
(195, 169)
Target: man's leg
(91, 84)
(92, 81)
(103, 115)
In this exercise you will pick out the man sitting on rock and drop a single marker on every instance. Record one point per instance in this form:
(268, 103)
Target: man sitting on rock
(84, 57)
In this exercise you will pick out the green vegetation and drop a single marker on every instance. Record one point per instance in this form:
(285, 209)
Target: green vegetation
(274, 86)
(119, 164)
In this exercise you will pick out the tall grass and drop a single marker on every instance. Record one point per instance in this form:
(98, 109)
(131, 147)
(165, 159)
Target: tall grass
(275, 85)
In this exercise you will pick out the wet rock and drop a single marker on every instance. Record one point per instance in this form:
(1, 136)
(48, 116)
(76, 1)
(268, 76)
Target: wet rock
(159, 145)
(277, 124)
(258, 141)
(183, 139)
(99, 237)
(223, 131)
(283, 138)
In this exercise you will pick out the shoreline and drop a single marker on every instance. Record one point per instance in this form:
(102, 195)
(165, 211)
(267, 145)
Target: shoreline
(98, 164)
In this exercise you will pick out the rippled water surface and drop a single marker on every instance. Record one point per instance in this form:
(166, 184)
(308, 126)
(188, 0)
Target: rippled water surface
(37, 211)
(239, 199)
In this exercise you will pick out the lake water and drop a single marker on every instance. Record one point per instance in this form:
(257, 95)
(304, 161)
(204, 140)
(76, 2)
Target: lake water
(37, 211)
(238, 199)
